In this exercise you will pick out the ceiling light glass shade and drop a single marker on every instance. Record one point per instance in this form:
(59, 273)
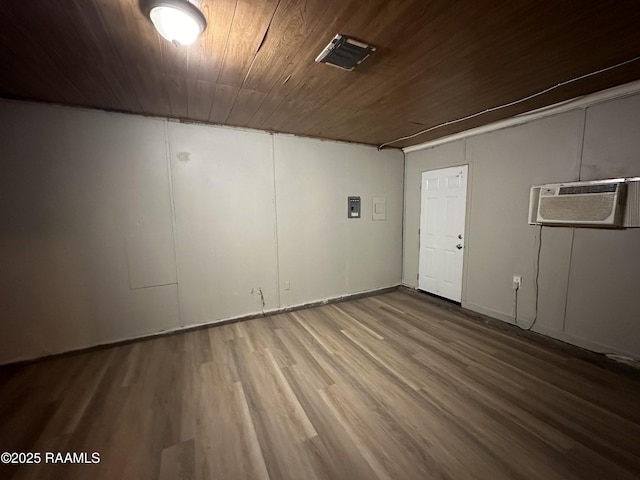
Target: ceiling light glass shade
(178, 21)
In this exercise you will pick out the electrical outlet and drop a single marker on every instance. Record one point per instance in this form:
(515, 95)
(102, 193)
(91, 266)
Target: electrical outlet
(287, 285)
(517, 281)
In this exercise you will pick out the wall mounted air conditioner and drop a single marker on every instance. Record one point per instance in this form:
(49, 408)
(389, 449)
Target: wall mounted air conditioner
(612, 203)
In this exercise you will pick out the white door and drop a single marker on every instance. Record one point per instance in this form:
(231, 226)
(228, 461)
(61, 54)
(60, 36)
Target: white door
(442, 213)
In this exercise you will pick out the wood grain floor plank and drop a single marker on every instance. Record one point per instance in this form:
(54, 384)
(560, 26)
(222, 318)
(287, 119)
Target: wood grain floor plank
(387, 459)
(177, 462)
(333, 451)
(280, 427)
(303, 359)
(225, 440)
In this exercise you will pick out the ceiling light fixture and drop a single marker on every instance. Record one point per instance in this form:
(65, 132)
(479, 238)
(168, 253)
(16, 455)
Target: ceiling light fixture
(179, 21)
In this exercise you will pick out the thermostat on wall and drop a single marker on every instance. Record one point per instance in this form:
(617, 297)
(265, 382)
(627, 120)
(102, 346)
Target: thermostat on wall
(353, 207)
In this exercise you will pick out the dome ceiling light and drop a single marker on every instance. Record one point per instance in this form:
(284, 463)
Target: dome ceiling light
(179, 21)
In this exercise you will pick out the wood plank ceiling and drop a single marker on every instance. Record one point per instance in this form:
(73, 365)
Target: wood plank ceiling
(254, 66)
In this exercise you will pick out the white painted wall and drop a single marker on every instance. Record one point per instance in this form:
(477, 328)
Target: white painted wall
(78, 189)
(587, 276)
(116, 226)
(224, 200)
(603, 304)
(322, 253)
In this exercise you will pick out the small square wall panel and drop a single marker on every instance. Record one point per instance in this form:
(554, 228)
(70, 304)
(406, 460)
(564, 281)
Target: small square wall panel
(379, 210)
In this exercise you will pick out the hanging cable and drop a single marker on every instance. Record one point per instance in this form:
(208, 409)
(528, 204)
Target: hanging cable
(510, 104)
(535, 318)
(516, 293)
(536, 284)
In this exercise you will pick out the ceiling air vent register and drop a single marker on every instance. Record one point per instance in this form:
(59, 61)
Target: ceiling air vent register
(344, 52)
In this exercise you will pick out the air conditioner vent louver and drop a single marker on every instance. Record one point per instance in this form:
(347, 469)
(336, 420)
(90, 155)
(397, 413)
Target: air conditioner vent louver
(591, 208)
(344, 52)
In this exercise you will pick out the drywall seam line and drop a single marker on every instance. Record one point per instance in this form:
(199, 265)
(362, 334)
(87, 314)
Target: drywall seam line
(173, 218)
(347, 225)
(155, 286)
(566, 293)
(573, 230)
(581, 144)
(275, 216)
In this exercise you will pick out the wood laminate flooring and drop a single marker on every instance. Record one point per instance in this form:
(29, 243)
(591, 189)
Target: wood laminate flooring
(385, 387)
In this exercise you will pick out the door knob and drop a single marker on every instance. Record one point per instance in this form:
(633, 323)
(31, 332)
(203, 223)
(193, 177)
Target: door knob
(460, 236)
(459, 246)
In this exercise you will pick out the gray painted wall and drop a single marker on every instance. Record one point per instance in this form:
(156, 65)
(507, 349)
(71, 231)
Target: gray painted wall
(224, 198)
(587, 277)
(603, 303)
(116, 226)
(79, 192)
(322, 253)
